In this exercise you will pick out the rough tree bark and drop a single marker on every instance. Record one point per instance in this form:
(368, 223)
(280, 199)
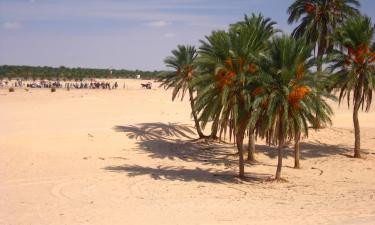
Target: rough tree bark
(279, 160)
(357, 134)
(280, 150)
(357, 104)
(239, 142)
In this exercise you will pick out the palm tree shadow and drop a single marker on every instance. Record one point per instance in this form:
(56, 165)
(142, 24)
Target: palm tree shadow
(213, 154)
(183, 174)
(155, 131)
(173, 141)
(308, 150)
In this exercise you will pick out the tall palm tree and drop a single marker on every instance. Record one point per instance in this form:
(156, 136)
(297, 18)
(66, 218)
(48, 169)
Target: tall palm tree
(180, 79)
(228, 61)
(354, 68)
(284, 106)
(319, 19)
(318, 81)
(253, 21)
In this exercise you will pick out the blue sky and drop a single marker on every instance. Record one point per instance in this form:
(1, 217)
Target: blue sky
(131, 34)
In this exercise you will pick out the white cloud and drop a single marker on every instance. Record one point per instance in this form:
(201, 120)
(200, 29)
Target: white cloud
(12, 25)
(158, 23)
(169, 35)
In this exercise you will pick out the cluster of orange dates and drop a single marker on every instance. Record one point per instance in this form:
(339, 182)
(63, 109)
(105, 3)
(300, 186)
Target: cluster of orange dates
(297, 94)
(224, 76)
(360, 55)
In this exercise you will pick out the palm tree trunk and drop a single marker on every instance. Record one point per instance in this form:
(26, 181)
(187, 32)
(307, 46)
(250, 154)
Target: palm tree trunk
(279, 161)
(280, 150)
(297, 151)
(357, 104)
(239, 142)
(251, 147)
(357, 134)
(215, 127)
(196, 121)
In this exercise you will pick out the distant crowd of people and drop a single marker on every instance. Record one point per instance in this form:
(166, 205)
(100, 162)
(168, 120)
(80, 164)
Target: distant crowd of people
(43, 84)
(91, 85)
(17, 83)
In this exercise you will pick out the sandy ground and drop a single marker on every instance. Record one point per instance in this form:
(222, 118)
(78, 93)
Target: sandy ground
(128, 157)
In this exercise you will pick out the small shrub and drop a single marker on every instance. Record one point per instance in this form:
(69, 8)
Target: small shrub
(11, 89)
(53, 89)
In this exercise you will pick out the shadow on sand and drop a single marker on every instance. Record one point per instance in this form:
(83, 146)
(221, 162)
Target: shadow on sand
(308, 150)
(156, 131)
(174, 141)
(184, 174)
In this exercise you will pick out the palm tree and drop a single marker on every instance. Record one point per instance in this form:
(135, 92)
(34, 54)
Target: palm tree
(253, 22)
(284, 106)
(227, 62)
(354, 67)
(208, 94)
(321, 112)
(319, 19)
(182, 63)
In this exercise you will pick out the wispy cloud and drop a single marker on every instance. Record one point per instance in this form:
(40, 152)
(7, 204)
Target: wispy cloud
(12, 25)
(158, 23)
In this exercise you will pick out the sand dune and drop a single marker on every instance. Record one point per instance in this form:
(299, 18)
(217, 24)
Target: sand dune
(128, 156)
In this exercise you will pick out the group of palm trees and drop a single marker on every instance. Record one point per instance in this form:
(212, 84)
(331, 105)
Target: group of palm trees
(252, 80)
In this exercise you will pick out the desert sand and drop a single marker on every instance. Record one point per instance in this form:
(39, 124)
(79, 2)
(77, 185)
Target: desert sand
(128, 156)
